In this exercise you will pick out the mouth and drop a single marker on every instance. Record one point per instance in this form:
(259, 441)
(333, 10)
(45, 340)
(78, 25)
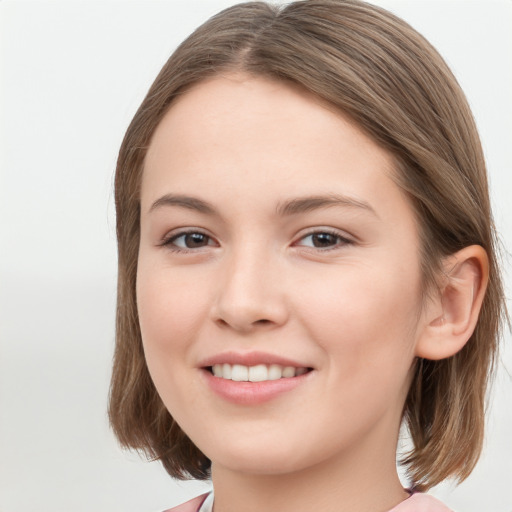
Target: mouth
(257, 373)
(254, 378)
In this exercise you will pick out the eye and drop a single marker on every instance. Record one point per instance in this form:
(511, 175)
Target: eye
(323, 240)
(189, 240)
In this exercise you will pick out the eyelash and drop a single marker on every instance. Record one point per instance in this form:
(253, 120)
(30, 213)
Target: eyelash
(168, 242)
(341, 240)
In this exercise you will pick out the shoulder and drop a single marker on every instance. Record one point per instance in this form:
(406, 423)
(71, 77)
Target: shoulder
(192, 505)
(420, 502)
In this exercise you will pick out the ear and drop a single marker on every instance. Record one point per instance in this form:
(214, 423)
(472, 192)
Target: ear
(450, 316)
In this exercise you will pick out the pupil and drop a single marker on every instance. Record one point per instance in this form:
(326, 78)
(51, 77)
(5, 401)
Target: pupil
(195, 240)
(323, 239)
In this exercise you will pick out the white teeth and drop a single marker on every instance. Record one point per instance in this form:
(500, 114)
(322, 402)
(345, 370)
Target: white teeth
(239, 373)
(258, 373)
(226, 371)
(275, 372)
(288, 371)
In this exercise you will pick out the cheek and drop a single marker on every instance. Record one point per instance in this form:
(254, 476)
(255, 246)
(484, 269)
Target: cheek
(169, 306)
(365, 325)
(365, 316)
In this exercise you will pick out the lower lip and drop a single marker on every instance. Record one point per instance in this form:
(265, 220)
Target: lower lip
(252, 393)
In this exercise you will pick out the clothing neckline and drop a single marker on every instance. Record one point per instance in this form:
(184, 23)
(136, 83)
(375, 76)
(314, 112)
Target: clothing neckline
(207, 504)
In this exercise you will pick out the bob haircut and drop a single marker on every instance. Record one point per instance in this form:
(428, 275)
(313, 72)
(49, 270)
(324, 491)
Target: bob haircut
(374, 68)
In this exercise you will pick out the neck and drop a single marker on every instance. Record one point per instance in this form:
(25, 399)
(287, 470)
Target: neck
(352, 484)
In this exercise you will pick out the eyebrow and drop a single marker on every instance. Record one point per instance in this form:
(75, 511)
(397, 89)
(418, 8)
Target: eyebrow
(285, 208)
(191, 203)
(306, 204)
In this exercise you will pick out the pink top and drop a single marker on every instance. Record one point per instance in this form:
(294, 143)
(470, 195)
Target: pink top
(417, 502)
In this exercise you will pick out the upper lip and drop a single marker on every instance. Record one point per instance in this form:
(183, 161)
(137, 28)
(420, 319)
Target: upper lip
(250, 359)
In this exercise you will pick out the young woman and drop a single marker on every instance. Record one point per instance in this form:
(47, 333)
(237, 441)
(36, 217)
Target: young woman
(306, 261)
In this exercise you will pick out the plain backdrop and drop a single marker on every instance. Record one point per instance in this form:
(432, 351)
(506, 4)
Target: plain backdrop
(72, 75)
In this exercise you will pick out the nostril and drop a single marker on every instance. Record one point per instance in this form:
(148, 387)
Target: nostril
(262, 322)
(246, 327)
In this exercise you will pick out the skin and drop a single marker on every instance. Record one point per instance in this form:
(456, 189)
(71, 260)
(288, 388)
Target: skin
(350, 309)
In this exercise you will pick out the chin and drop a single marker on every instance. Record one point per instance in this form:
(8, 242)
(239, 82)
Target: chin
(266, 465)
(257, 459)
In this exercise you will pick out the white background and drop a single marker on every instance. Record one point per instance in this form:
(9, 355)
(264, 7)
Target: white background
(72, 76)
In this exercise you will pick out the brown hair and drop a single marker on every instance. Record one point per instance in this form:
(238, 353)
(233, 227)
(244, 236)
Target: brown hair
(376, 69)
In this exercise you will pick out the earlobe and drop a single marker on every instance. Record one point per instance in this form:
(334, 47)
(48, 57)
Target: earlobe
(451, 316)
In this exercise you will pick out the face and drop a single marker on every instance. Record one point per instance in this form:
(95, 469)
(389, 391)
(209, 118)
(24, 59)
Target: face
(279, 283)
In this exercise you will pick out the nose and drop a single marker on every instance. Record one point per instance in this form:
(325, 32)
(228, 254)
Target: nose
(251, 293)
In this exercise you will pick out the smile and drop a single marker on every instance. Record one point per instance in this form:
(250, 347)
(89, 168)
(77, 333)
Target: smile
(258, 373)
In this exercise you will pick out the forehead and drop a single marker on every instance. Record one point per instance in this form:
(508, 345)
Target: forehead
(239, 136)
